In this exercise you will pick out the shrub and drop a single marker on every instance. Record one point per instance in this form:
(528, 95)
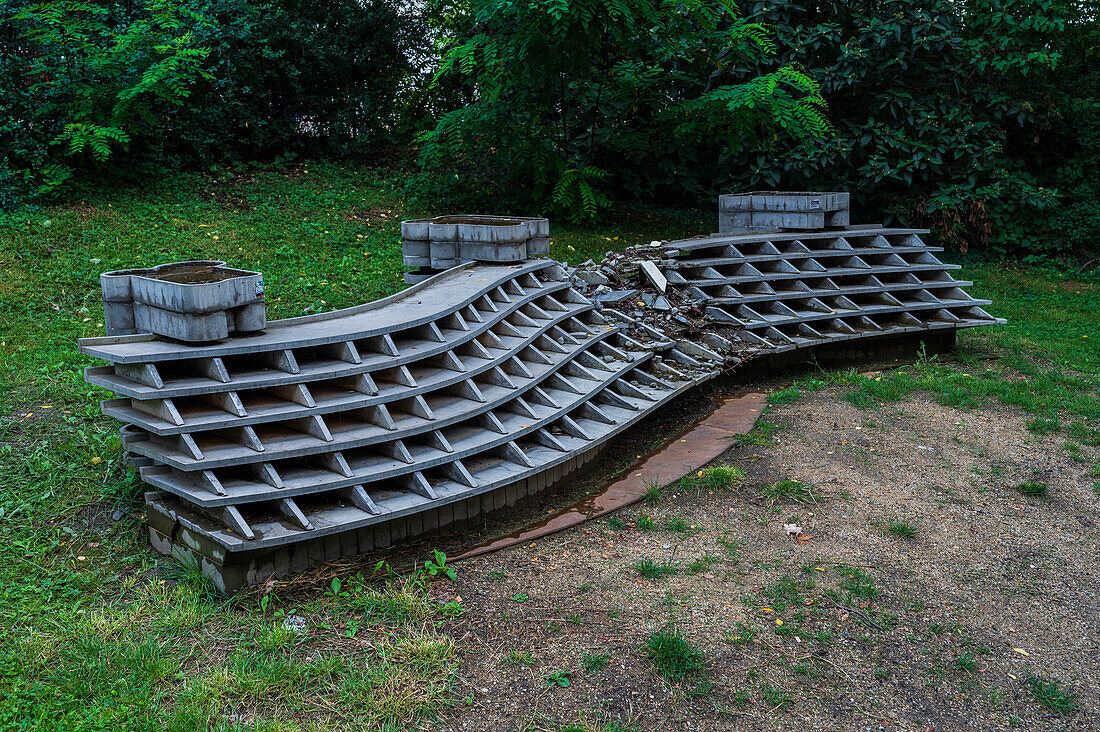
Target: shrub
(558, 103)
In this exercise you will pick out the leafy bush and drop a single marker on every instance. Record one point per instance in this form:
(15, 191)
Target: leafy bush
(290, 76)
(970, 118)
(83, 83)
(133, 87)
(558, 103)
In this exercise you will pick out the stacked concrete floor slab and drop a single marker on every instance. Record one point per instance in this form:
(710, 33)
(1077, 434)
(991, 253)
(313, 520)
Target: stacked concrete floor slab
(751, 294)
(330, 435)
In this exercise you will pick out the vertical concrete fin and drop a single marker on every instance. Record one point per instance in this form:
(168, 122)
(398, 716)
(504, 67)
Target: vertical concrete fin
(513, 453)
(283, 360)
(289, 509)
(438, 440)
(611, 397)
(188, 446)
(457, 472)
(504, 328)
(588, 410)
(384, 344)
(533, 354)
(418, 484)
(545, 438)
(247, 437)
(515, 367)
(472, 315)
(295, 393)
(450, 361)
(398, 451)
(624, 387)
(336, 463)
(379, 415)
(163, 409)
(213, 368)
(312, 425)
(570, 427)
(209, 481)
(474, 348)
(232, 518)
(227, 401)
(266, 473)
(491, 340)
(538, 396)
(357, 496)
(490, 422)
(141, 373)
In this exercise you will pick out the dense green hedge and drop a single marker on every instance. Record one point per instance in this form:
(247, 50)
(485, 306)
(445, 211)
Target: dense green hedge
(115, 88)
(979, 119)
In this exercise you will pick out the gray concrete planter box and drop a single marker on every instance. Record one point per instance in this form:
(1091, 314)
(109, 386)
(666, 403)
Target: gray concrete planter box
(196, 302)
(446, 241)
(777, 210)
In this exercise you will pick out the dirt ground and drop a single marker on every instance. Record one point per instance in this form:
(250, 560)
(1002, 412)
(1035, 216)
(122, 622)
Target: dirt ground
(940, 631)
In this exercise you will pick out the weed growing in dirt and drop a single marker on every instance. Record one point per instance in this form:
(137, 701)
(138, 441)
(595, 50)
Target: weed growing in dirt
(856, 583)
(594, 661)
(672, 655)
(732, 547)
(1049, 694)
(676, 524)
(616, 523)
(519, 658)
(1032, 488)
(557, 678)
(774, 696)
(655, 570)
(902, 529)
(762, 433)
(789, 490)
(653, 491)
(724, 478)
(741, 635)
(965, 661)
(790, 395)
(645, 523)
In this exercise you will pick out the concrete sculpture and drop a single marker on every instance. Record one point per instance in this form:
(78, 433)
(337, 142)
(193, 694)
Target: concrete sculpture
(330, 435)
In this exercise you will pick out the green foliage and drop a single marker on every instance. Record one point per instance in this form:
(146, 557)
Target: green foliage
(558, 103)
(98, 89)
(90, 78)
(1032, 488)
(979, 119)
(1049, 694)
(437, 565)
(673, 655)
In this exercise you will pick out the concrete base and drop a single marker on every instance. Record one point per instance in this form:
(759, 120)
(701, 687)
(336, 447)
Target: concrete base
(849, 353)
(231, 571)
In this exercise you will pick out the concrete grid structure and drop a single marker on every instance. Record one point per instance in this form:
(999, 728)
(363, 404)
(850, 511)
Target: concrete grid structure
(333, 434)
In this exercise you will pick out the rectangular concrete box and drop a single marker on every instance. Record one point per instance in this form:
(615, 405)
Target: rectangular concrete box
(774, 210)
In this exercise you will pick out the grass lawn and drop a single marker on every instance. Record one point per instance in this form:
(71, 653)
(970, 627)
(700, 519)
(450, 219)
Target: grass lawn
(101, 633)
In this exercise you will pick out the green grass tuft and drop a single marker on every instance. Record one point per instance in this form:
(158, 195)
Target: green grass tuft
(1049, 694)
(789, 490)
(722, 478)
(672, 655)
(902, 529)
(650, 569)
(1032, 488)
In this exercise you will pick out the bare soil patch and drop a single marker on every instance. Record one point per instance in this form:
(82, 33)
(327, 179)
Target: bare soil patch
(939, 631)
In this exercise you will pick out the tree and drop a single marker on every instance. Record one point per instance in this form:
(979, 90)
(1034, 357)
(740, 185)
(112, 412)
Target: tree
(566, 101)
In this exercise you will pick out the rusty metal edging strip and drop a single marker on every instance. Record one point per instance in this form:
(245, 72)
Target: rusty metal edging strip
(685, 454)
